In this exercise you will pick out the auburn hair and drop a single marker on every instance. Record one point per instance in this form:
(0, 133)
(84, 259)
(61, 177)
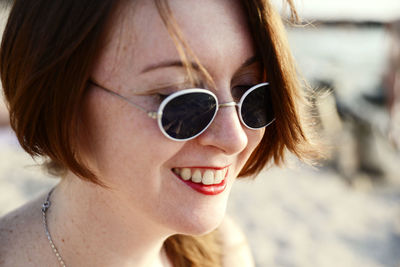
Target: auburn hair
(47, 54)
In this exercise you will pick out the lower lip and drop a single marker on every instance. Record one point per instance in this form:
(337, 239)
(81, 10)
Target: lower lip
(212, 190)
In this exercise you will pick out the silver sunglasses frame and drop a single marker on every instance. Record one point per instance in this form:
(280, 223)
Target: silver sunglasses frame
(158, 114)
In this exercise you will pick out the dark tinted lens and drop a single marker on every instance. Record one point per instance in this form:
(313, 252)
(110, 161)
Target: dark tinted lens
(256, 108)
(187, 115)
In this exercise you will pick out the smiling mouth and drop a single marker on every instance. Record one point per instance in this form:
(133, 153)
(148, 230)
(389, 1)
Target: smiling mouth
(203, 180)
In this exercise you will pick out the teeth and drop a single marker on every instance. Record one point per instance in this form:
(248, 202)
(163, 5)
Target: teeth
(208, 177)
(196, 178)
(186, 174)
(219, 176)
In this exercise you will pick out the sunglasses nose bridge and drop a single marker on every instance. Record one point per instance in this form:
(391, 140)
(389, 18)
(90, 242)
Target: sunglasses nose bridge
(227, 104)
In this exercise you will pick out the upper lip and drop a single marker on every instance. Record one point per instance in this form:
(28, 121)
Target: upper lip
(205, 167)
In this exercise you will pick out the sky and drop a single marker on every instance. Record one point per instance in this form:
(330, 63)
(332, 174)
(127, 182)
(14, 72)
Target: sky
(375, 10)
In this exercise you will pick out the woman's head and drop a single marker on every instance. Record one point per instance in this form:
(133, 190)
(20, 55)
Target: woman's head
(50, 51)
(143, 50)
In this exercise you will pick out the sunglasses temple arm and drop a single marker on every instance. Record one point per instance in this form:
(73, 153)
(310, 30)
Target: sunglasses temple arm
(151, 114)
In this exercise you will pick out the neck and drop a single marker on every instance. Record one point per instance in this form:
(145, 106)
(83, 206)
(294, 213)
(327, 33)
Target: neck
(91, 227)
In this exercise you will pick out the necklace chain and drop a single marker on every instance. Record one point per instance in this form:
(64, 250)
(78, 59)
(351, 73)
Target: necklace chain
(45, 207)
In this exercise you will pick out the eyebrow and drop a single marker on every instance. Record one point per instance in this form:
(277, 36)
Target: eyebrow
(168, 64)
(179, 63)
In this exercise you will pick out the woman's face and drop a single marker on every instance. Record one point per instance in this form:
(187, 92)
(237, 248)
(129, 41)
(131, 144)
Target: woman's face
(127, 149)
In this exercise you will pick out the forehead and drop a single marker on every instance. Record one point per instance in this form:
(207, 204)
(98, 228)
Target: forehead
(216, 31)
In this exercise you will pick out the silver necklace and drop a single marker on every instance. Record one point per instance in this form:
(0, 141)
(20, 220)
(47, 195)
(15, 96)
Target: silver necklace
(45, 207)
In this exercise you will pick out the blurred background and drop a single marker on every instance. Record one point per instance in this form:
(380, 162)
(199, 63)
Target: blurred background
(344, 212)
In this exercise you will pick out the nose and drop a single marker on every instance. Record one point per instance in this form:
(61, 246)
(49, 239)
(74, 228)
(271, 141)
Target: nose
(226, 131)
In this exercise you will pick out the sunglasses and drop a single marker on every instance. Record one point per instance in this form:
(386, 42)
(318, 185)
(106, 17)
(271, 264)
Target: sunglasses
(186, 114)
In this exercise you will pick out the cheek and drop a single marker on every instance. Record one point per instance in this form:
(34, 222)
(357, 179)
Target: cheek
(259, 134)
(122, 141)
(254, 139)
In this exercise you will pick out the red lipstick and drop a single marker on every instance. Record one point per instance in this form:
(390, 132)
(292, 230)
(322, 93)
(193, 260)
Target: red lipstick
(213, 189)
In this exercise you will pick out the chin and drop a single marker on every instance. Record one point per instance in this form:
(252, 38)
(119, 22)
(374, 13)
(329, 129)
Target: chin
(200, 228)
(200, 223)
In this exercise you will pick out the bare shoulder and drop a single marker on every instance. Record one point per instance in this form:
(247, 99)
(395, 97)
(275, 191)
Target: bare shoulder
(21, 241)
(236, 251)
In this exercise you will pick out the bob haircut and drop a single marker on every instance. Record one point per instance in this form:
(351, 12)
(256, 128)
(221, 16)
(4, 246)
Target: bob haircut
(47, 54)
(49, 49)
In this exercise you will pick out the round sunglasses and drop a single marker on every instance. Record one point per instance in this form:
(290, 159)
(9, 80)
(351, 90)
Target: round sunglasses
(186, 114)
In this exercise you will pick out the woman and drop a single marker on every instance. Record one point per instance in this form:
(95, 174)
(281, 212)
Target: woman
(101, 89)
